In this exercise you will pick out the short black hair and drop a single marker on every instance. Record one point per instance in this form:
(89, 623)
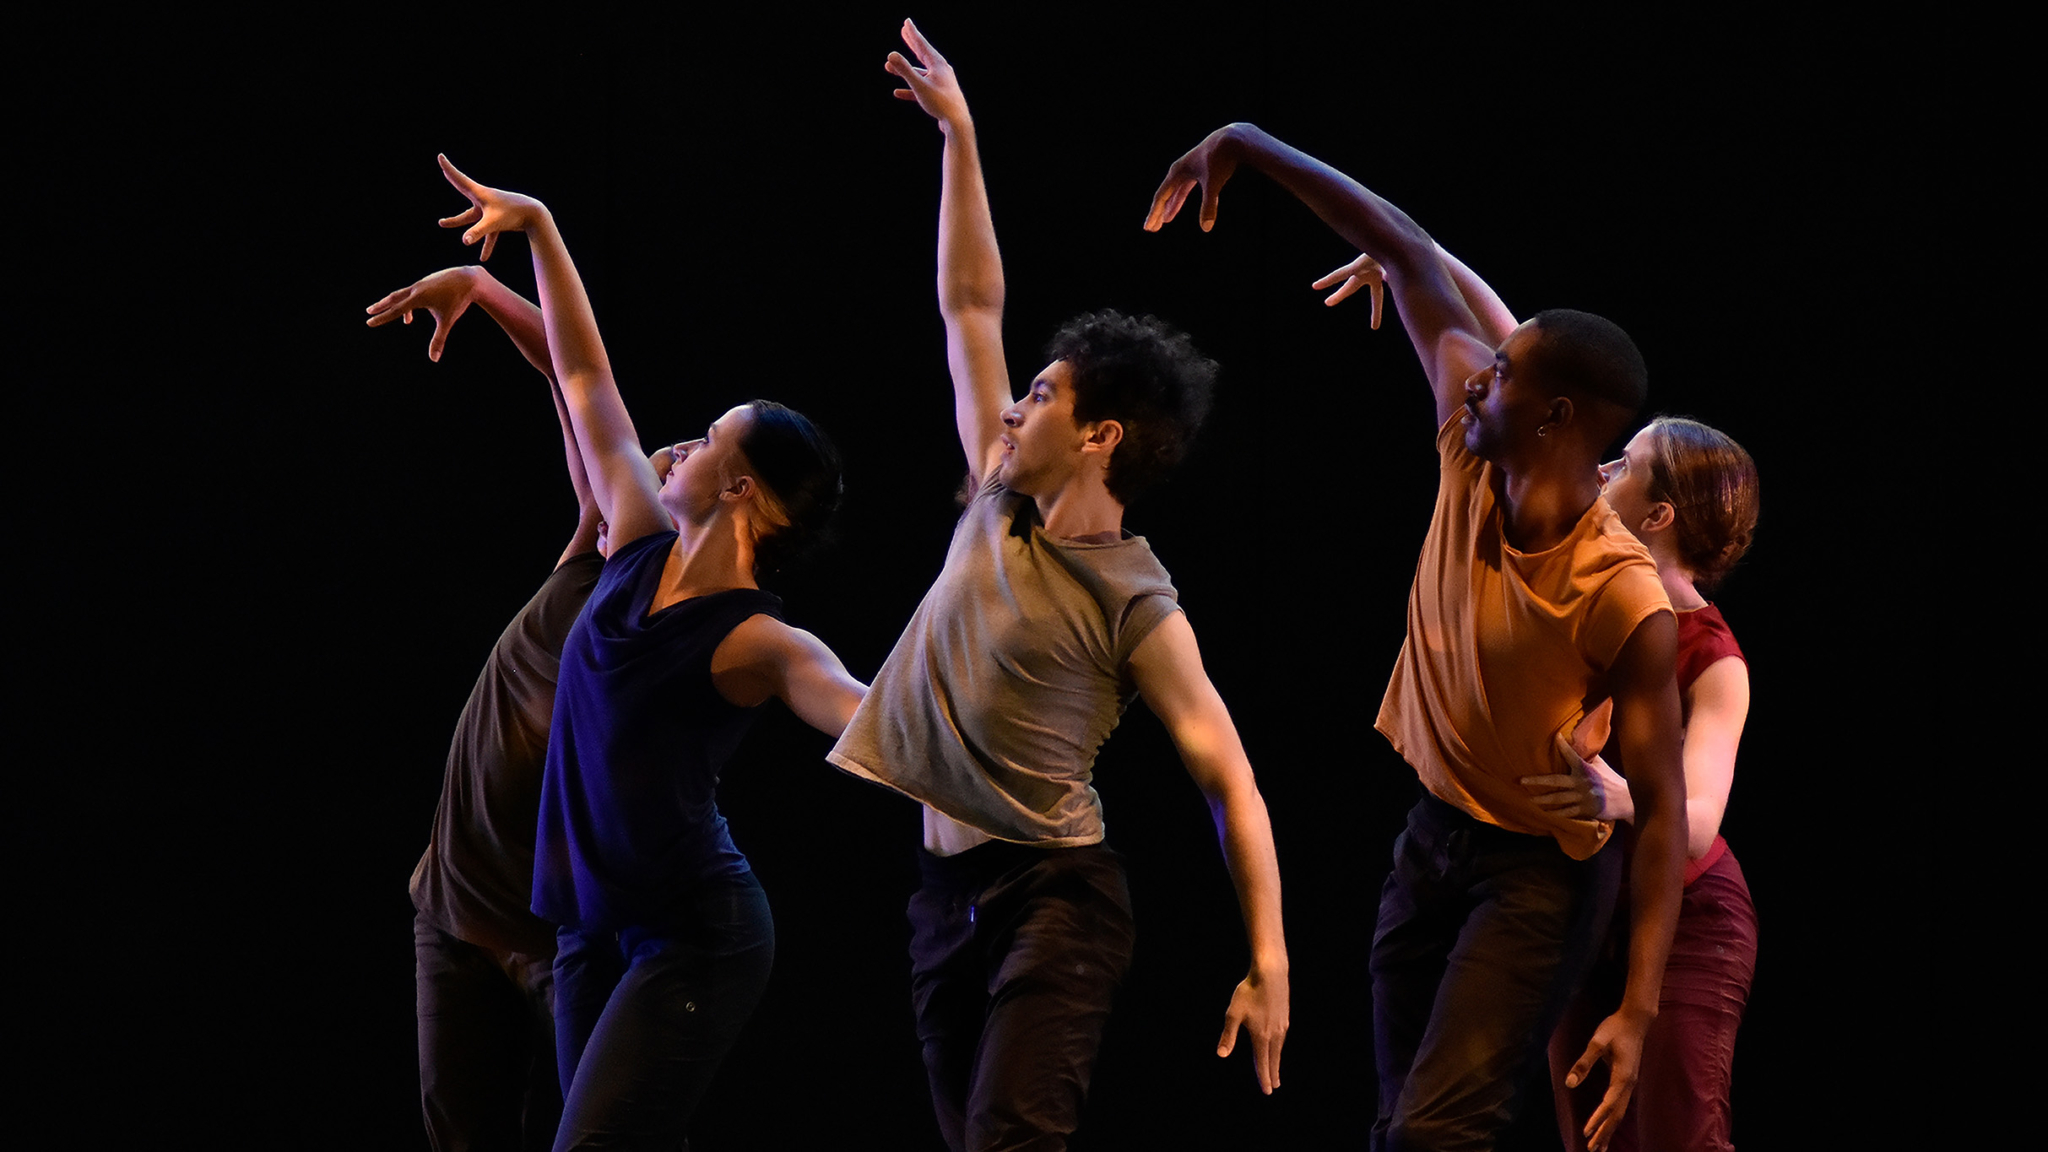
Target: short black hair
(1146, 376)
(1587, 355)
(796, 462)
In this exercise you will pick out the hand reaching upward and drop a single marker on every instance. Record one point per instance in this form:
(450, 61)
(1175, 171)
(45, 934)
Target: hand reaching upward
(931, 82)
(491, 210)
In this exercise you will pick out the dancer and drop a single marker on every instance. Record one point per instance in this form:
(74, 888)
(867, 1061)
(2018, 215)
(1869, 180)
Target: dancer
(1013, 671)
(1689, 493)
(484, 962)
(1531, 603)
(666, 938)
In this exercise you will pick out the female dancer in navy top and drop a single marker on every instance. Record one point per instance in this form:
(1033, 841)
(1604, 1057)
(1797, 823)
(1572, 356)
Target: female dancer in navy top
(666, 938)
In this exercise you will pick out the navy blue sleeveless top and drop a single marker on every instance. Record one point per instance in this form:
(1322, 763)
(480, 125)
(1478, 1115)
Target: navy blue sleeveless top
(628, 817)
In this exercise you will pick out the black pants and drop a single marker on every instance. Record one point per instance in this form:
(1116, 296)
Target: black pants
(487, 1044)
(644, 1016)
(1483, 936)
(1016, 953)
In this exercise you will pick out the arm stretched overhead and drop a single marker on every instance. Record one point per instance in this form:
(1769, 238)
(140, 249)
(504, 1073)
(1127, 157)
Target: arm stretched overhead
(1448, 337)
(446, 295)
(623, 485)
(970, 267)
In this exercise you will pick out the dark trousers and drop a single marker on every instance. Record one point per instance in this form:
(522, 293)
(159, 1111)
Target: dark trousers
(487, 1044)
(1016, 953)
(1688, 1067)
(644, 1016)
(1483, 935)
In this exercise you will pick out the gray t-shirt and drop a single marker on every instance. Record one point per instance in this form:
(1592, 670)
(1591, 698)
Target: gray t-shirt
(1010, 676)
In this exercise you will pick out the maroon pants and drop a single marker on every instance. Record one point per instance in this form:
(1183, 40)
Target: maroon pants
(1681, 1098)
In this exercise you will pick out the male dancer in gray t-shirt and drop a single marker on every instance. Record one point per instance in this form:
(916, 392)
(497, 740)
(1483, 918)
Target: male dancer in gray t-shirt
(1013, 671)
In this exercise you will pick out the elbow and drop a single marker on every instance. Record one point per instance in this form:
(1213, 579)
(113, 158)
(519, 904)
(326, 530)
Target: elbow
(971, 298)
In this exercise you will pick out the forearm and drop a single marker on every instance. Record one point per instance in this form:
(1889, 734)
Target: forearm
(1487, 306)
(1364, 219)
(1655, 873)
(1245, 831)
(519, 317)
(598, 422)
(970, 265)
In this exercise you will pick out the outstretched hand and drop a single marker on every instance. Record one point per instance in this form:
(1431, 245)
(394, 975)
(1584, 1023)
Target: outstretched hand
(1619, 1041)
(445, 295)
(1260, 1006)
(931, 81)
(491, 210)
(1364, 272)
(1210, 165)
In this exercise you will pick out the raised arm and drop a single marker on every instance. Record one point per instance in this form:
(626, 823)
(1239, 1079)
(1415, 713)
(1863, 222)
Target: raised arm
(1167, 667)
(1448, 338)
(1365, 272)
(623, 485)
(970, 267)
(446, 295)
(1646, 719)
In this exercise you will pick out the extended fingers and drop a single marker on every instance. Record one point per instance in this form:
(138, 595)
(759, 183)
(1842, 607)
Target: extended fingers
(1232, 1019)
(1600, 1127)
(926, 54)
(390, 301)
(464, 220)
(1349, 288)
(1594, 1051)
(490, 245)
(463, 184)
(1167, 201)
(1212, 193)
(1378, 302)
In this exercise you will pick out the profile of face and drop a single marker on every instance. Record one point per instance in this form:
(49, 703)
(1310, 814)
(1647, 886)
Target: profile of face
(1503, 406)
(1625, 484)
(1042, 444)
(700, 470)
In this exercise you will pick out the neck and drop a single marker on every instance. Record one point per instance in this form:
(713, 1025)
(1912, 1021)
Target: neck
(1541, 505)
(1677, 580)
(709, 557)
(1081, 510)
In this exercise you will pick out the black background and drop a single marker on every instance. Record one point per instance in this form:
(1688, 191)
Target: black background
(316, 534)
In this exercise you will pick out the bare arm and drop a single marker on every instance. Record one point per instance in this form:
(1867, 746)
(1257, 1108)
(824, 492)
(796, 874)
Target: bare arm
(1447, 336)
(1716, 705)
(764, 657)
(1646, 718)
(1495, 321)
(970, 266)
(1168, 669)
(616, 467)
(446, 295)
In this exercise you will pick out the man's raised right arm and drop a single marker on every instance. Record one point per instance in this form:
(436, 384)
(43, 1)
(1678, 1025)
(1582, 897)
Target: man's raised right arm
(970, 266)
(1448, 338)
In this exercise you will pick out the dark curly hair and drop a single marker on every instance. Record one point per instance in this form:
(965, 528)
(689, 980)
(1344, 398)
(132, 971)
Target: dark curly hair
(795, 461)
(1711, 485)
(1146, 376)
